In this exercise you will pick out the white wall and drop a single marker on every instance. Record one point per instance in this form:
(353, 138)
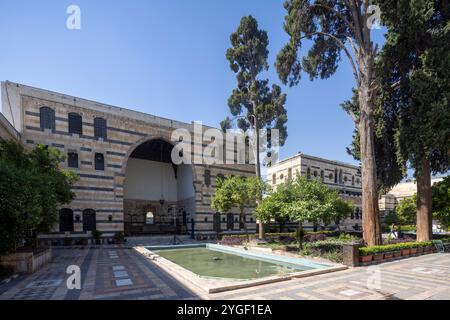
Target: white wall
(145, 180)
(185, 188)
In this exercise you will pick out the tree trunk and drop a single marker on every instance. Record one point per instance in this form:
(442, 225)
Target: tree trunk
(258, 175)
(370, 214)
(242, 223)
(424, 216)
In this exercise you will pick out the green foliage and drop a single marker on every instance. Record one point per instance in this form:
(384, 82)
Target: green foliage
(96, 234)
(119, 237)
(365, 251)
(254, 102)
(406, 210)
(441, 201)
(32, 187)
(236, 191)
(414, 77)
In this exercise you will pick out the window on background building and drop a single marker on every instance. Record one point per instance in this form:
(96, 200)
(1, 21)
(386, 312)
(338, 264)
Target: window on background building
(322, 176)
(353, 180)
(207, 178)
(330, 176)
(149, 218)
(274, 178)
(340, 176)
(75, 123)
(72, 160)
(65, 220)
(220, 177)
(281, 177)
(47, 118)
(335, 175)
(99, 161)
(290, 174)
(315, 173)
(100, 128)
(89, 220)
(308, 174)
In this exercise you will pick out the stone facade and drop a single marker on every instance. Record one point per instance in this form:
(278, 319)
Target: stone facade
(399, 192)
(103, 190)
(7, 131)
(344, 177)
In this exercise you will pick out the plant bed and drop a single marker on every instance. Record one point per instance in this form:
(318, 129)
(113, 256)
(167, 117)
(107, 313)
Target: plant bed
(413, 251)
(378, 256)
(406, 252)
(365, 259)
(388, 255)
(428, 249)
(397, 254)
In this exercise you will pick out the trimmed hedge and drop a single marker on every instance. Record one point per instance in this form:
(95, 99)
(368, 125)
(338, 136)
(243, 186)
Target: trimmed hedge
(365, 251)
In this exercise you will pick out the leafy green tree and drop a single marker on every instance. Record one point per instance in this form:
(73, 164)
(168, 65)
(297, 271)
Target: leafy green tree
(338, 27)
(272, 206)
(32, 187)
(304, 200)
(240, 192)
(254, 104)
(316, 203)
(414, 81)
(405, 211)
(441, 201)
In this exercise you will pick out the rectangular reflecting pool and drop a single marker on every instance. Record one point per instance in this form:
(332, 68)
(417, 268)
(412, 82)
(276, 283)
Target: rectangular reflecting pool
(221, 262)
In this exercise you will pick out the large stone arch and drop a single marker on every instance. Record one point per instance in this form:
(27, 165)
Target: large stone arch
(134, 220)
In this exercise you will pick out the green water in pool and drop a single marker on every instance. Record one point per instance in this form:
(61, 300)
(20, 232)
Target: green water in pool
(216, 264)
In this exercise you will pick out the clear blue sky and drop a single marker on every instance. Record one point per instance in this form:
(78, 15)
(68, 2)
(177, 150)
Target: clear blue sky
(166, 58)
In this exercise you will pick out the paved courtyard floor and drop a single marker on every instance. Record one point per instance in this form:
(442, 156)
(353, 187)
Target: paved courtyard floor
(122, 273)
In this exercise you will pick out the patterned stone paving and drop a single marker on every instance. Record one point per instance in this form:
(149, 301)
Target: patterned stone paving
(419, 278)
(105, 274)
(122, 273)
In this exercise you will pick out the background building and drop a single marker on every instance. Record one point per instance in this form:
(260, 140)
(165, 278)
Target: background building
(343, 177)
(123, 158)
(399, 192)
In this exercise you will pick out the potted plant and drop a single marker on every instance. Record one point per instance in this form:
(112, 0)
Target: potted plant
(67, 242)
(97, 236)
(119, 237)
(388, 255)
(378, 256)
(365, 254)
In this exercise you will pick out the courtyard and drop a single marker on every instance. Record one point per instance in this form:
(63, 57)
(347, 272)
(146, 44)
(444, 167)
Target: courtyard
(112, 272)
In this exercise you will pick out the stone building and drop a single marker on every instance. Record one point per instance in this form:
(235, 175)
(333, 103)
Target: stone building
(128, 181)
(403, 190)
(343, 177)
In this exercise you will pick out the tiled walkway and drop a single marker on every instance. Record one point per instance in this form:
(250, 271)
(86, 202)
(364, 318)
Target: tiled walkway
(424, 277)
(122, 273)
(116, 273)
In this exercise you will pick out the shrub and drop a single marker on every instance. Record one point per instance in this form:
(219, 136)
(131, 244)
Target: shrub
(119, 237)
(6, 271)
(96, 234)
(233, 240)
(365, 251)
(314, 237)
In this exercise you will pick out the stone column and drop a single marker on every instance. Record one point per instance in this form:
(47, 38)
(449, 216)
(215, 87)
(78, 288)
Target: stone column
(351, 254)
